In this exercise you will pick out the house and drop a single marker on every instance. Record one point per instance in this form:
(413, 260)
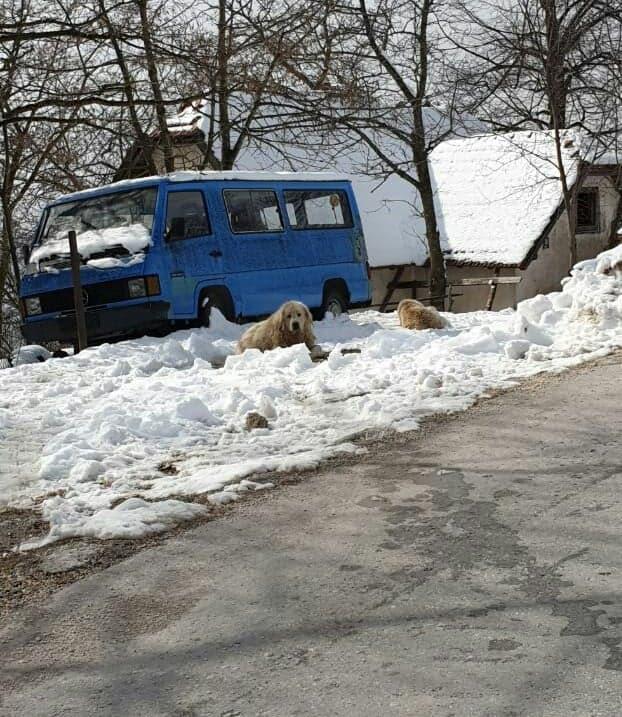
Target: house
(500, 213)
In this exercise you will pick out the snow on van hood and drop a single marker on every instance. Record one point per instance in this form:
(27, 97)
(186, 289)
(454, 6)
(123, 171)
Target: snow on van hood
(134, 238)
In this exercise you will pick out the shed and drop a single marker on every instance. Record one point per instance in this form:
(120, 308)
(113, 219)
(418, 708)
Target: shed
(501, 213)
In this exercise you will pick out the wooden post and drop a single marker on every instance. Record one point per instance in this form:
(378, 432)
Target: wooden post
(77, 293)
(450, 298)
(390, 289)
(493, 291)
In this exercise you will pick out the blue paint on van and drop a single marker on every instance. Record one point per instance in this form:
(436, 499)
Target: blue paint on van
(255, 244)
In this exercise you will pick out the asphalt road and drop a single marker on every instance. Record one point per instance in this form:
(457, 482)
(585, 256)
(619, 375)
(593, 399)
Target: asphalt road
(475, 569)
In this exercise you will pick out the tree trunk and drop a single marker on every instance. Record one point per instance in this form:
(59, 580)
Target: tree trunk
(438, 280)
(569, 195)
(224, 125)
(4, 280)
(145, 142)
(154, 81)
(8, 250)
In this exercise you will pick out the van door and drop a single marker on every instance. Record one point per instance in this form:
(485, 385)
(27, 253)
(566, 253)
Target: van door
(257, 251)
(322, 235)
(195, 251)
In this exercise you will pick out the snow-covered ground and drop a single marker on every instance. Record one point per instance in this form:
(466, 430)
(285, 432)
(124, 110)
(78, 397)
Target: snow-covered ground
(83, 437)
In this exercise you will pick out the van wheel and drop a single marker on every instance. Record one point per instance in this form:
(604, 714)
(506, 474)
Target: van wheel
(215, 300)
(334, 301)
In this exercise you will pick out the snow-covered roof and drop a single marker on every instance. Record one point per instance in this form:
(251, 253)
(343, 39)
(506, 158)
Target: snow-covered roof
(189, 119)
(496, 194)
(608, 158)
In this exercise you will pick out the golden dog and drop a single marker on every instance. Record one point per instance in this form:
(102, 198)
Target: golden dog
(414, 315)
(289, 325)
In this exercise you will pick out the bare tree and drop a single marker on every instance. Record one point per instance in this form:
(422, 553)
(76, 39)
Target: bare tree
(28, 144)
(234, 67)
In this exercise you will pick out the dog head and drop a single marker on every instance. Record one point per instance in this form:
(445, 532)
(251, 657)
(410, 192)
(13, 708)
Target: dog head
(295, 317)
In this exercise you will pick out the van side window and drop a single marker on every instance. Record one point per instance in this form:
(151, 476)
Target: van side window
(256, 210)
(318, 209)
(189, 206)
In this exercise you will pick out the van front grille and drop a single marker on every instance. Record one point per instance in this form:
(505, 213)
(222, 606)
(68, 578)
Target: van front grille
(106, 292)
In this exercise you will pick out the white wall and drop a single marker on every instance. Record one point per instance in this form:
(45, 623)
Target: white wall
(545, 273)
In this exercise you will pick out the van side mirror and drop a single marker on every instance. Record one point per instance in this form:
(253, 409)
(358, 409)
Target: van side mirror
(178, 229)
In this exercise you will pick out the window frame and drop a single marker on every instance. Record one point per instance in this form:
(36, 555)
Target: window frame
(321, 227)
(250, 191)
(595, 228)
(205, 209)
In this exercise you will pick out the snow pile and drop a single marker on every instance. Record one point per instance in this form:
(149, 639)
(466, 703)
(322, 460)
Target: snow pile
(110, 442)
(134, 238)
(495, 194)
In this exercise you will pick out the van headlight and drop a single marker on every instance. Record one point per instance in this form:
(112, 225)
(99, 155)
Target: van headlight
(136, 288)
(33, 305)
(143, 286)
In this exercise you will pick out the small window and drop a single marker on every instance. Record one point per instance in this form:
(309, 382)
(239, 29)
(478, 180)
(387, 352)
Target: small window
(256, 210)
(189, 206)
(588, 211)
(318, 209)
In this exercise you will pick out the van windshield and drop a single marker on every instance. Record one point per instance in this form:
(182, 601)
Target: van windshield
(110, 229)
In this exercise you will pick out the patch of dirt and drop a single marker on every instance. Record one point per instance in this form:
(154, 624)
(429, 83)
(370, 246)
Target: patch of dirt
(25, 576)
(23, 579)
(168, 468)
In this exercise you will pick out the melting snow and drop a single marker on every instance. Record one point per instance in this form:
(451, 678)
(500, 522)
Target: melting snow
(83, 437)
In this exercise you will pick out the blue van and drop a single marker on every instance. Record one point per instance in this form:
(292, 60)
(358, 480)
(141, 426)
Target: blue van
(163, 251)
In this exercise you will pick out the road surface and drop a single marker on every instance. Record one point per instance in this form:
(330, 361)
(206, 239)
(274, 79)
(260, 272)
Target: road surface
(473, 569)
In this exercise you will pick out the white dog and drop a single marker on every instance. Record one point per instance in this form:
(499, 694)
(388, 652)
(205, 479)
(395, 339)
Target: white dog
(289, 325)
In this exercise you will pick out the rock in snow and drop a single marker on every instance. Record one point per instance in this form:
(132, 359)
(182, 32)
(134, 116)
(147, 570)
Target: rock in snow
(255, 420)
(93, 429)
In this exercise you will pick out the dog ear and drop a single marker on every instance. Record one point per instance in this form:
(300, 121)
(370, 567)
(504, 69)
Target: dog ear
(279, 314)
(308, 314)
(283, 326)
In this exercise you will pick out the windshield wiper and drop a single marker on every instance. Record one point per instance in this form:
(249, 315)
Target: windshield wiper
(56, 261)
(117, 250)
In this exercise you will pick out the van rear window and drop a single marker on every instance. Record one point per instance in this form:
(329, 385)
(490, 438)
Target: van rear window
(255, 210)
(318, 209)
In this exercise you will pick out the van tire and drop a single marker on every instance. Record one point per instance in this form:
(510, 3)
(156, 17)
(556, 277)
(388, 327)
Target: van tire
(335, 300)
(216, 298)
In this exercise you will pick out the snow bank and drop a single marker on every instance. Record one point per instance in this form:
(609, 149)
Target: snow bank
(110, 440)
